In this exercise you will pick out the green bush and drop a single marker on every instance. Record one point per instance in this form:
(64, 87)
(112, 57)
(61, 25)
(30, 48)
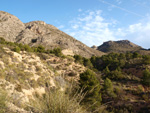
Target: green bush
(87, 63)
(40, 49)
(146, 77)
(90, 85)
(108, 88)
(17, 49)
(27, 48)
(2, 40)
(146, 59)
(115, 75)
(78, 59)
(56, 51)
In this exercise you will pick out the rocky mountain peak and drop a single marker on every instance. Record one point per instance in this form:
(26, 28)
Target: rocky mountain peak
(10, 26)
(118, 46)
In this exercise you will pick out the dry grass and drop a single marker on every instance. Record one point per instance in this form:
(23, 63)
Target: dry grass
(57, 101)
(3, 100)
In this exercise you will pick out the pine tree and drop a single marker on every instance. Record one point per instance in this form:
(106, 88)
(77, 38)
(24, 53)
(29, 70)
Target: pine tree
(91, 86)
(108, 87)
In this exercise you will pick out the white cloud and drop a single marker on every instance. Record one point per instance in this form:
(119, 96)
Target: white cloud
(80, 10)
(91, 28)
(61, 27)
(139, 33)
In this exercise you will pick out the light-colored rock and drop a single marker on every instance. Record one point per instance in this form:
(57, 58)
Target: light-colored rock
(68, 52)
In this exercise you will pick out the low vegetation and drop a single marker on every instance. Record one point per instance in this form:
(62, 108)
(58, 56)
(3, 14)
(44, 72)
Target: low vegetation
(57, 101)
(3, 101)
(116, 82)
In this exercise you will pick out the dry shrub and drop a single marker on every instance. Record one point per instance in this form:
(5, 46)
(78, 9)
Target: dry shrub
(58, 101)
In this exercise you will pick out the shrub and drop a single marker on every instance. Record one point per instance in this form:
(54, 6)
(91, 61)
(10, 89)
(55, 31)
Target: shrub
(40, 49)
(27, 48)
(136, 55)
(56, 101)
(2, 40)
(87, 63)
(3, 99)
(56, 51)
(115, 75)
(90, 85)
(108, 87)
(146, 59)
(78, 59)
(17, 49)
(146, 77)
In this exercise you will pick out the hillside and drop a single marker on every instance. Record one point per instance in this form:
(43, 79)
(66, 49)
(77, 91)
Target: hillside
(25, 75)
(33, 79)
(121, 46)
(39, 33)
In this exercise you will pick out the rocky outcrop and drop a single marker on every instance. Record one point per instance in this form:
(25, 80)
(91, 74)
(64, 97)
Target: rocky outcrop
(94, 47)
(10, 26)
(39, 33)
(121, 46)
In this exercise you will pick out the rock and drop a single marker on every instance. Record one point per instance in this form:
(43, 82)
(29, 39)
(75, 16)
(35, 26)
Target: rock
(11, 26)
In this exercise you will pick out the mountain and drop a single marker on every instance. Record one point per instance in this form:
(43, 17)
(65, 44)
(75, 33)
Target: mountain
(39, 33)
(121, 46)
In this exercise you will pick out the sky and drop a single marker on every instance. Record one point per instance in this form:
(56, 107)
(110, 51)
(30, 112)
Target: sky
(90, 21)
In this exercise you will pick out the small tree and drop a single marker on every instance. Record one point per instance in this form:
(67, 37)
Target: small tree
(17, 49)
(146, 77)
(2, 40)
(78, 59)
(136, 55)
(87, 63)
(27, 48)
(116, 74)
(106, 70)
(91, 86)
(146, 59)
(108, 87)
(40, 49)
(56, 51)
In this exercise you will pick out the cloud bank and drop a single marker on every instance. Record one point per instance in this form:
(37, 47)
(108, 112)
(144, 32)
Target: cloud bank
(91, 28)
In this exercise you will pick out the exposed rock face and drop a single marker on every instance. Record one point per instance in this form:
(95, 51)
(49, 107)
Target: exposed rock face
(121, 46)
(10, 26)
(39, 33)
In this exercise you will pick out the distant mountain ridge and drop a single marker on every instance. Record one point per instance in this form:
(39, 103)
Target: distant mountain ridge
(39, 33)
(120, 46)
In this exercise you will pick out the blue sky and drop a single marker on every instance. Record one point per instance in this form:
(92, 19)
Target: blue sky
(90, 21)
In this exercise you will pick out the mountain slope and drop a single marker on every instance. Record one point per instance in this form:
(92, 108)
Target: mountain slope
(121, 46)
(39, 33)
(24, 75)
(10, 26)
